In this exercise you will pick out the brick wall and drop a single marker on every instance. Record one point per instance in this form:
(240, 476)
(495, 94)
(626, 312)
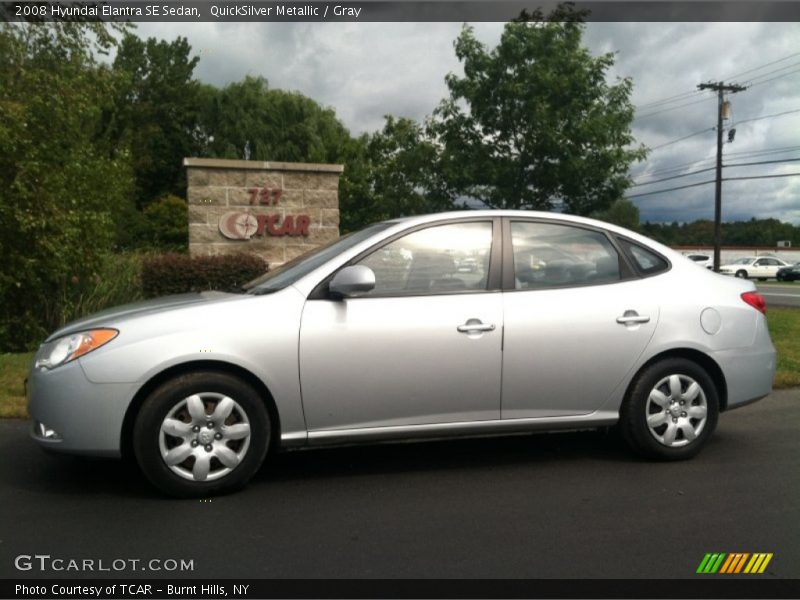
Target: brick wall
(254, 200)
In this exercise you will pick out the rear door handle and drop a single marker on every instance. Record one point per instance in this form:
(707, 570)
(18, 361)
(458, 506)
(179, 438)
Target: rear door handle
(473, 325)
(631, 316)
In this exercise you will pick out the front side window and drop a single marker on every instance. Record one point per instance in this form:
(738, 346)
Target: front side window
(435, 260)
(553, 255)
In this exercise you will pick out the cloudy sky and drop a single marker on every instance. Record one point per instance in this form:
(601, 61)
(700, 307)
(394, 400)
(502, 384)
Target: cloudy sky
(367, 70)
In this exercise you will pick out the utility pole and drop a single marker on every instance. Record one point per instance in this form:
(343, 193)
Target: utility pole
(720, 88)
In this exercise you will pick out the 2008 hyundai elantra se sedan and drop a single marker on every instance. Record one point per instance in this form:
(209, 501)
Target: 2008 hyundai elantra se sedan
(559, 323)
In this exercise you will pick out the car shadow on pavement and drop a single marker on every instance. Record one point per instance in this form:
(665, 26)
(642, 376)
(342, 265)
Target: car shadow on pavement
(451, 454)
(65, 475)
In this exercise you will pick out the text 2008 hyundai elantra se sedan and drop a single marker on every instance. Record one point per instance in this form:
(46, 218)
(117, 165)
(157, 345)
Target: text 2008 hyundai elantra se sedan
(559, 323)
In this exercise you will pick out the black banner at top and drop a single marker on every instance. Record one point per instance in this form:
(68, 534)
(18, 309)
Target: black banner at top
(392, 11)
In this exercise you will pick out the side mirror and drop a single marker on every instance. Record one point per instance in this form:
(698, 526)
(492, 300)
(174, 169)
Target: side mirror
(352, 281)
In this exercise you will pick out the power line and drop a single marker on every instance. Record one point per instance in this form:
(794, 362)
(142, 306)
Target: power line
(797, 64)
(762, 176)
(713, 128)
(765, 151)
(762, 66)
(780, 114)
(674, 177)
(669, 99)
(686, 95)
(682, 187)
(686, 137)
(763, 162)
(658, 112)
(691, 185)
(774, 78)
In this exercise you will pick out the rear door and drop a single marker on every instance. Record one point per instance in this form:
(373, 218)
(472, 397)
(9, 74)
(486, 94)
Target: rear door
(576, 319)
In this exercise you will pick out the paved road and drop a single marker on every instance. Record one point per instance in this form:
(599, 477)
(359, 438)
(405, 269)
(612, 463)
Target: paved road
(557, 505)
(780, 294)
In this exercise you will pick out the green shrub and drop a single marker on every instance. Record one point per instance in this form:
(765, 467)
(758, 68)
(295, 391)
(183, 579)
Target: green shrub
(179, 273)
(109, 280)
(116, 281)
(166, 224)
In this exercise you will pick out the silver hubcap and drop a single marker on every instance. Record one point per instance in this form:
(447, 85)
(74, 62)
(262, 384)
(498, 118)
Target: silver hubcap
(676, 410)
(204, 437)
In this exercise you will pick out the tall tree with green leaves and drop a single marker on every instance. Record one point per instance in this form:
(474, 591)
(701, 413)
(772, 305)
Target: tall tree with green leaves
(58, 186)
(533, 123)
(250, 118)
(402, 176)
(156, 112)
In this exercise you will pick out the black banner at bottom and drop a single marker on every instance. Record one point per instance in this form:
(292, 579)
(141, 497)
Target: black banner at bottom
(700, 587)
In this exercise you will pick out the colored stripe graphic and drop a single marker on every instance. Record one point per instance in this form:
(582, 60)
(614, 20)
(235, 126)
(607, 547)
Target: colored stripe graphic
(722, 563)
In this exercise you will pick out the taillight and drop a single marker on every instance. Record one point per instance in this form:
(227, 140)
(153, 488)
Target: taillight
(755, 300)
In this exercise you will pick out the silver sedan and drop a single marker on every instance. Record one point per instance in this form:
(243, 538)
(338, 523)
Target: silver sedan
(564, 323)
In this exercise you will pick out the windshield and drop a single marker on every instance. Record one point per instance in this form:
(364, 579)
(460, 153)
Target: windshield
(301, 266)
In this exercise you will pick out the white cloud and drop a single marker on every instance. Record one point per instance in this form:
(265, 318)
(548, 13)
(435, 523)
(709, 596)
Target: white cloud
(366, 70)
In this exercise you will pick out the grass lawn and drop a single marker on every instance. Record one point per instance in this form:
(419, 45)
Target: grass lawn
(784, 326)
(13, 369)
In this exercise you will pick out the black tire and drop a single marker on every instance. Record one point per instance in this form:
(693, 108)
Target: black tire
(742, 274)
(762, 278)
(172, 396)
(637, 407)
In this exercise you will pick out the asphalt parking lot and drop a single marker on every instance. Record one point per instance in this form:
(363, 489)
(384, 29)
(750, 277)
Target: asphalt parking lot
(567, 505)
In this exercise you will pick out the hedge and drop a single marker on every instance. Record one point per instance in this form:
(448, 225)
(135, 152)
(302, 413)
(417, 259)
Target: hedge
(179, 273)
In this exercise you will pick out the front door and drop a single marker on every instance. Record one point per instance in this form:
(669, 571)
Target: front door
(423, 347)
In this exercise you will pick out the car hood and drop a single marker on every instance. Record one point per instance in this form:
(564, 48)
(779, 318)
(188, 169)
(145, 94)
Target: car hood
(135, 309)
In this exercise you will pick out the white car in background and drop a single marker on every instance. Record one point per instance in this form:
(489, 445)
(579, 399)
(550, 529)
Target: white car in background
(702, 260)
(762, 268)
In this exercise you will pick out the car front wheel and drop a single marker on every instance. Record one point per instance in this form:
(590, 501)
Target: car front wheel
(201, 434)
(742, 274)
(671, 410)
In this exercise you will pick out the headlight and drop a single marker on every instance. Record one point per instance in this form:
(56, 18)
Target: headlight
(70, 347)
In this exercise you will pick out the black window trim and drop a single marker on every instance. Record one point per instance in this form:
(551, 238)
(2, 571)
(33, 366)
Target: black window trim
(626, 269)
(493, 281)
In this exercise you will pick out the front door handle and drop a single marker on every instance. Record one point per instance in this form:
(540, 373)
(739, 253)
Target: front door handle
(473, 325)
(631, 317)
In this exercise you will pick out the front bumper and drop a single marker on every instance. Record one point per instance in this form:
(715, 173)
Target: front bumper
(85, 417)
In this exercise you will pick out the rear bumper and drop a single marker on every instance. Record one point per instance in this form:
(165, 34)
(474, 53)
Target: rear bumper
(748, 372)
(73, 415)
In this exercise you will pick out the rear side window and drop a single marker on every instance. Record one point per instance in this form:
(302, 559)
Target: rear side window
(554, 255)
(647, 261)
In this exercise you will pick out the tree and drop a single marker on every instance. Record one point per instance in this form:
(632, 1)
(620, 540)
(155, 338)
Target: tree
(57, 186)
(400, 174)
(156, 113)
(622, 212)
(533, 122)
(272, 124)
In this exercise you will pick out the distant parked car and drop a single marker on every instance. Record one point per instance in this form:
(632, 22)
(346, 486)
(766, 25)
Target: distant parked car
(702, 260)
(762, 268)
(791, 273)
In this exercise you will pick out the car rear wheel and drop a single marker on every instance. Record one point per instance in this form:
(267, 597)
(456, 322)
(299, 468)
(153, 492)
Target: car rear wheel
(201, 434)
(670, 411)
(741, 273)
